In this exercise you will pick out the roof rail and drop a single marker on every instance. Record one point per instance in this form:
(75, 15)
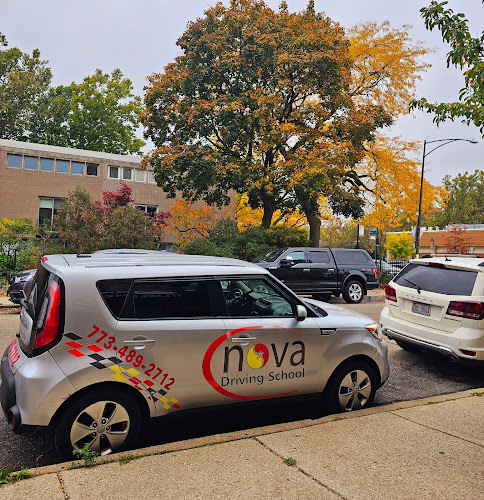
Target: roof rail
(429, 256)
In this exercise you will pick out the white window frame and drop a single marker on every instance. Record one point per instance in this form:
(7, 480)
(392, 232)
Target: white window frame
(109, 171)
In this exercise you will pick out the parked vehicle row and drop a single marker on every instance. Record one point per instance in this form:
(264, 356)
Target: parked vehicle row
(108, 340)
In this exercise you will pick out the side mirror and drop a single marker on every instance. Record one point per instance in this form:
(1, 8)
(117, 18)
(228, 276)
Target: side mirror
(301, 313)
(286, 263)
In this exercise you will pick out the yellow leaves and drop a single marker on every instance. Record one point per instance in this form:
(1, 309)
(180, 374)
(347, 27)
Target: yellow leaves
(395, 181)
(387, 65)
(191, 220)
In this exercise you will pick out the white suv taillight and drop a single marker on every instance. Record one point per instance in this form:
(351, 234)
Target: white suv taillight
(390, 293)
(468, 310)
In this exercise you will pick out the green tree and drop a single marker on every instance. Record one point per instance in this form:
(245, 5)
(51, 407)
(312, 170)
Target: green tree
(23, 79)
(247, 106)
(89, 226)
(399, 246)
(465, 203)
(100, 114)
(467, 53)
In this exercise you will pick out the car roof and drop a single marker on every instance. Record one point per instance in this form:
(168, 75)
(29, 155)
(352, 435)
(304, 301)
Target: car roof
(127, 265)
(470, 262)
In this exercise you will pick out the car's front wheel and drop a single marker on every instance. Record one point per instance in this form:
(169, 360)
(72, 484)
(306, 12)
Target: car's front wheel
(353, 292)
(108, 421)
(351, 387)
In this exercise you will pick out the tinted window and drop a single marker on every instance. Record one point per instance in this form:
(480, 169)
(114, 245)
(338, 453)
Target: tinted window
(169, 299)
(77, 168)
(351, 257)
(270, 256)
(30, 163)
(47, 164)
(114, 293)
(254, 297)
(319, 257)
(91, 169)
(437, 279)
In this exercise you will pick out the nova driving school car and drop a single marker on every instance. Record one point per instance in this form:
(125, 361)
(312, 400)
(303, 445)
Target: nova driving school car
(107, 340)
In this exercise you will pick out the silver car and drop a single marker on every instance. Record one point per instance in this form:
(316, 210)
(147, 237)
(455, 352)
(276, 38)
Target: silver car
(108, 340)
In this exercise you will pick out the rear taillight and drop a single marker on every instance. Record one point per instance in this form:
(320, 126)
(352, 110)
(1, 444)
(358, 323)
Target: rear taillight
(375, 272)
(390, 293)
(468, 310)
(50, 329)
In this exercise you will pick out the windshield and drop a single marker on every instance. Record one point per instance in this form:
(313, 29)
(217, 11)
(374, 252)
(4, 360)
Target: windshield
(437, 279)
(270, 256)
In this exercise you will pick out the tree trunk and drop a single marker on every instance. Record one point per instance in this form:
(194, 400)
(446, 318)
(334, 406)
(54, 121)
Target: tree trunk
(269, 205)
(314, 229)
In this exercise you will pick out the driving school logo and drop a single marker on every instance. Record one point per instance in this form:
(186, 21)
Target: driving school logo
(288, 358)
(257, 356)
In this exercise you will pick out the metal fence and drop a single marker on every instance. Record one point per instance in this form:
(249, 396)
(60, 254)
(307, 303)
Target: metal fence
(8, 264)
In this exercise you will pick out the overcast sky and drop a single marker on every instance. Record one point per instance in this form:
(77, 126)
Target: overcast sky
(139, 37)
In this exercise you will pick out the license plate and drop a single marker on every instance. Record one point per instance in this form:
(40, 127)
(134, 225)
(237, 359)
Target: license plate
(419, 308)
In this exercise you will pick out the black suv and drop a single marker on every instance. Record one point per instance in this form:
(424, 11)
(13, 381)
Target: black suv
(322, 272)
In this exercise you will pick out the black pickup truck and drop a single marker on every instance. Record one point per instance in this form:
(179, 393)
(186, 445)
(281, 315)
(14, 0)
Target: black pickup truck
(322, 272)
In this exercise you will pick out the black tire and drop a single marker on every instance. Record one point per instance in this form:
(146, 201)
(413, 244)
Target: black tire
(351, 387)
(407, 346)
(105, 404)
(353, 292)
(325, 297)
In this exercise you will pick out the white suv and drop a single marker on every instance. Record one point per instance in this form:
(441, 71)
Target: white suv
(437, 303)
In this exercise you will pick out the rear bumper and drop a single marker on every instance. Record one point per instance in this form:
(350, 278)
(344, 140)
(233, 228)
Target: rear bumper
(449, 345)
(7, 385)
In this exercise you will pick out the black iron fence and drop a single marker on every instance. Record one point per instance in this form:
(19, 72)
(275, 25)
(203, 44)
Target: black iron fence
(8, 264)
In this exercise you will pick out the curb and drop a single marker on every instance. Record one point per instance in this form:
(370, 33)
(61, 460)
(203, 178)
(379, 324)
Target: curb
(257, 431)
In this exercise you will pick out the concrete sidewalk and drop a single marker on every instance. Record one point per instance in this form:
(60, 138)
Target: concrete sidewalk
(430, 448)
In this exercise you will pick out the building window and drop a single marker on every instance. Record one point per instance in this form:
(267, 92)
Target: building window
(62, 166)
(151, 176)
(127, 174)
(30, 162)
(48, 207)
(46, 164)
(140, 175)
(113, 172)
(14, 161)
(92, 169)
(149, 209)
(77, 168)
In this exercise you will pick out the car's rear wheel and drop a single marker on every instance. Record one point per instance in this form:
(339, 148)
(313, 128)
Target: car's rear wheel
(353, 292)
(407, 346)
(108, 421)
(351, 387)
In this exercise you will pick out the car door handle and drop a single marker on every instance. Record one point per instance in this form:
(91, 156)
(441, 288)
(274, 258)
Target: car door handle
(240, 340)
(139, 342)
(331, 270)
(306, 270)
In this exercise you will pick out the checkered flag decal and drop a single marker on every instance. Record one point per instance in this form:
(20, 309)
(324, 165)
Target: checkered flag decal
(92, 351)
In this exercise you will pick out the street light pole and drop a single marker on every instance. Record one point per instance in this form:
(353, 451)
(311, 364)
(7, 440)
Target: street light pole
(419, 218)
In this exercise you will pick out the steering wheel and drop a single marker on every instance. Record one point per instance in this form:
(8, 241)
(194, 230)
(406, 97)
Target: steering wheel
(261, 289)
(235, 293)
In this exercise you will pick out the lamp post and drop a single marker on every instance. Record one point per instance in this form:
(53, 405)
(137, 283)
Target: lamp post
(444, 142)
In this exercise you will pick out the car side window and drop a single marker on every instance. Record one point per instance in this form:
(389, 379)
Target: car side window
(254, 297)
(168, 299)
(297, 256)
(319, 257)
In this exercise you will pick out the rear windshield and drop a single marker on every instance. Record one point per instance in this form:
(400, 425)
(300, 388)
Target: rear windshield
(437, 279)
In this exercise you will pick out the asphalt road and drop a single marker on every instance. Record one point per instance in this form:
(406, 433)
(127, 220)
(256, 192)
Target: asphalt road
(413, 376)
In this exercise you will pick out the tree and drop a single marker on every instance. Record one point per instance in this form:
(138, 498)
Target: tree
(457, 242)
(465, 201)
(23, 79)
(387, 64)
(394, 183)
(100, 114)
(467, 53)
(399, 246)
(246, 105)
(89, 226)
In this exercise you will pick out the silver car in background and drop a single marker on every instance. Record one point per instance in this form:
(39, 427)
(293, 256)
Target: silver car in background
(107, 340)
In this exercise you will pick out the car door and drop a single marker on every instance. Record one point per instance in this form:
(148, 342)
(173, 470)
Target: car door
(293, 270)
(165, 329)
(323, 271)
(269, 353)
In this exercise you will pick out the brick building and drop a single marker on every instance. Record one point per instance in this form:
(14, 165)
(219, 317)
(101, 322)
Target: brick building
(36, 178)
